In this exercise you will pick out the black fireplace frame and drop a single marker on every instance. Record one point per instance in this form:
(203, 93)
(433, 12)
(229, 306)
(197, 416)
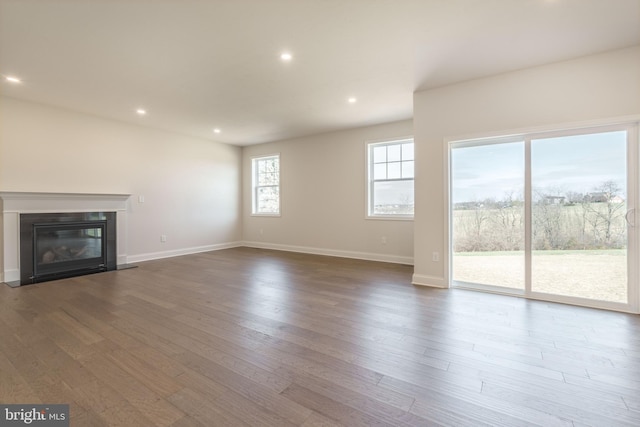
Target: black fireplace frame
(31, 223)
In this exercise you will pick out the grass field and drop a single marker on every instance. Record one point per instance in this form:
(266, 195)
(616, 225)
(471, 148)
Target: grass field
(596, 274)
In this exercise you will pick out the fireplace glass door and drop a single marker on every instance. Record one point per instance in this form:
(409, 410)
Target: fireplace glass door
(62, 247)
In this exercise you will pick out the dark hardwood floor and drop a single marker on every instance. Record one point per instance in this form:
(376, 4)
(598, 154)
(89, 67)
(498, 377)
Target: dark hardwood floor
(263, 338)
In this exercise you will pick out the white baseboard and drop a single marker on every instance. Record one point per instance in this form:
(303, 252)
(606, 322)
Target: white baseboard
(10, 276)
(132, 259)
(432, 281)
(332, 252)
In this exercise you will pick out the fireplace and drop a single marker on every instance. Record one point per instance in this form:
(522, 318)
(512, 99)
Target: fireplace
(57, 245)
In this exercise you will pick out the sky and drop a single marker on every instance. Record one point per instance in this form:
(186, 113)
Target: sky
(559, 165)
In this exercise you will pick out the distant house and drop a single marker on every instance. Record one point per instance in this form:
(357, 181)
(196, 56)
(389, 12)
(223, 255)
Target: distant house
(467, 205)
(602, 197)
(617, 199)
(553, 200)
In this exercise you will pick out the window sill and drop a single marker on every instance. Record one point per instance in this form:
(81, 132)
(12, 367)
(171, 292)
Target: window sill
(390, 217)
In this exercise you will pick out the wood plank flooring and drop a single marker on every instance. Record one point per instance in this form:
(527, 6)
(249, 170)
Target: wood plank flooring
(265, 338)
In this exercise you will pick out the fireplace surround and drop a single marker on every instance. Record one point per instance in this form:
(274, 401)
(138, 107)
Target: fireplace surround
(15, 204)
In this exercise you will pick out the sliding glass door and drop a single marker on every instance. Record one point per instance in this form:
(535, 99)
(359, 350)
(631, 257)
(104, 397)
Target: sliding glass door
(487, 195)
(547, 215)
(578, 227)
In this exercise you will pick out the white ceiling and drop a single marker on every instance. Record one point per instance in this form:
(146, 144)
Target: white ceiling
(196, 65)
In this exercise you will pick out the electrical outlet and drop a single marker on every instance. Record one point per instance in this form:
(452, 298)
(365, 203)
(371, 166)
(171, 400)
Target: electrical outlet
(435, 257)
(383, 240)
(163, 238)
(140, 199)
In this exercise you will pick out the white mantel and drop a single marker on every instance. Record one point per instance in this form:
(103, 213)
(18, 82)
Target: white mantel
(12, 204)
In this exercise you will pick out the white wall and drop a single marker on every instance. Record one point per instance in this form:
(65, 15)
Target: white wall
(323, 198)
(584, 90)
(191, 186)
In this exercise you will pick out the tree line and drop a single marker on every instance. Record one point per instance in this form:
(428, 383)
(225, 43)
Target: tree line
(560, 221)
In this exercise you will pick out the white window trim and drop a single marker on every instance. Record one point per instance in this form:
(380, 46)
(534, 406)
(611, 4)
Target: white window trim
(369, 181)
(254, 186)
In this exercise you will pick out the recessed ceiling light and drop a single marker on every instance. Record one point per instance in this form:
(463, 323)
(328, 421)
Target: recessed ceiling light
(13, 79)
(141, 111)
(216, 130)
(286, 56)
(352, 100)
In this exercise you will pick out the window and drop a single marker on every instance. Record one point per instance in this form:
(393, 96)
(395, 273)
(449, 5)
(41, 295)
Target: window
(266, 185)
(390, 166)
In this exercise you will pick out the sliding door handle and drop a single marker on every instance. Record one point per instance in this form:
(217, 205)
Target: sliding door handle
(626, 217)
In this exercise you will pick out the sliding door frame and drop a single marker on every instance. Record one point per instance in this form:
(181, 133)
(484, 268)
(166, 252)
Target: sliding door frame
(633, 198)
